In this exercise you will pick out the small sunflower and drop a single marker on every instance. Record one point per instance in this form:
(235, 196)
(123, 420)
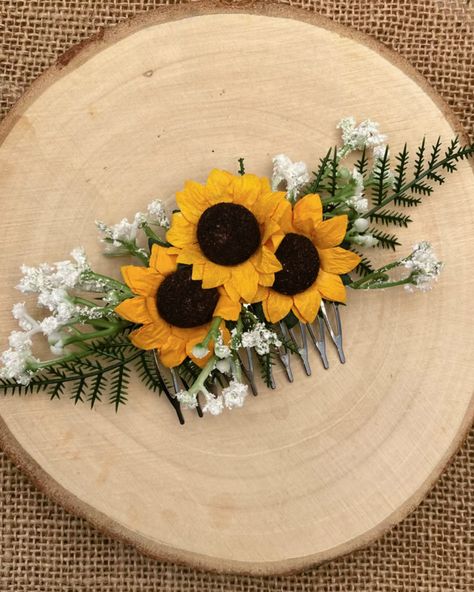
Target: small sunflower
(174, 310)
(228, 231)
(312, 262)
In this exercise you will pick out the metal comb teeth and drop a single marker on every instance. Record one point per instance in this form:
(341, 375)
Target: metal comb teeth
(328, 321)
(334, 332)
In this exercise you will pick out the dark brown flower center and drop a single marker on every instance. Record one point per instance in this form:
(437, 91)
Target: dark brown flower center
(183, 302)
(300, 261)
(228, 233)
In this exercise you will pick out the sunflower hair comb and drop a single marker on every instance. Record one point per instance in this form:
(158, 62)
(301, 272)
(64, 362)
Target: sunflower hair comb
(247, 273)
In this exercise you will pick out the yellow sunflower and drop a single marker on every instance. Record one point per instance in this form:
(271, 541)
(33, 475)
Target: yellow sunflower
(312, 262)
(228, 231)
(175, 312)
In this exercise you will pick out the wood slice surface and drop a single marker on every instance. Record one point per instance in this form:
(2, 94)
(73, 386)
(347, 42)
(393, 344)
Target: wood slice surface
(310, 470)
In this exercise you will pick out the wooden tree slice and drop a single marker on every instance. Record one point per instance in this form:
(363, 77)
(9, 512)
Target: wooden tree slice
(313, 469)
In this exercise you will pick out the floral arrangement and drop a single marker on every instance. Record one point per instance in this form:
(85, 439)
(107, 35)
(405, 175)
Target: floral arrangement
(242, 275)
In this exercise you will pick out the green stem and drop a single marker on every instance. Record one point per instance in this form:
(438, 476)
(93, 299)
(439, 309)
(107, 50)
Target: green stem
(50, 363)
(111, 330)
(111, 282)
(83, 301)
(198, 384)
(236, 368)
(383, 285)
(213, 332)
(136, 252)
(374, 275)
(154, 237)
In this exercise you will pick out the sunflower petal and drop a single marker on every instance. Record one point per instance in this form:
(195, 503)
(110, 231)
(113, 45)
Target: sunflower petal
(272, 234)
(337, 260)
(141, 280)
(147, 337)
(182, 232)
(330, 233)
(260, 295)
(330, 286)
(308, 213)
(219, 186)
(246, 190)
(214, 275)
(267, 279)
(227, 308)
(190, 255)
(162, 260)
(192, 201)
(231, 291)
(172, 352)
(245, 280)
(134, 310)
(307, 304)
(161, 325)
(198, 271)
(266, 261)
(276, 306)
(271, 205)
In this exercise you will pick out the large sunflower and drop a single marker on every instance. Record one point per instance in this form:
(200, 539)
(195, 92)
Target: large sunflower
(175, 311)
(312, 262)
(228, 231)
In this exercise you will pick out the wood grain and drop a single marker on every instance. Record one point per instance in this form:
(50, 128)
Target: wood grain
(302, 473)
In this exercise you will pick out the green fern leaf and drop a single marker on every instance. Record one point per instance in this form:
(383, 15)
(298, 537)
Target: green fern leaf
(386, 241)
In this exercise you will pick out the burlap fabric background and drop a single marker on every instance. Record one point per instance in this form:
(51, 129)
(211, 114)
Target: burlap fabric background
(42, 548)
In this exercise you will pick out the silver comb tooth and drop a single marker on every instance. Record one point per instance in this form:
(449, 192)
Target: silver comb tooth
(284, 354)
(272, 380)
(174, 380)
(171, 397)
(303, 347)
(336, 335)
(248, 370)
(319, 344)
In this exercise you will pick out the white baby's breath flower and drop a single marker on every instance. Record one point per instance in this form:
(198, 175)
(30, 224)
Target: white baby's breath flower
(116, 235)
(357, 201)
(424, 267)
(19, 340)
(63, 274)
(16, 364)
(234, 395)
(50, 325)
(364, 240)
(26, 322)
(157, 214)
(224, 365)
(360, 204)
(261, 338)
(360, 224)
(199, 351)
(358, 137)
(58, 301)
(294, 174)
(220, 349)
(187, 400)
(214, 405)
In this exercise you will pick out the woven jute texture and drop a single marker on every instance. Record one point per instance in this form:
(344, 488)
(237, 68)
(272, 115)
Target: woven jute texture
(43, 548)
